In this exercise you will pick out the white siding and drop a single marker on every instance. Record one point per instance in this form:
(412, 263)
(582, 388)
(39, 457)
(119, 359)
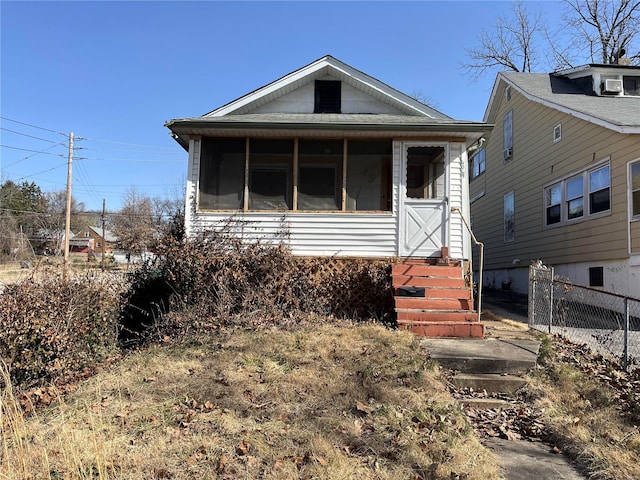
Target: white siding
(324, 234)
(191, 194)
(302, 101)
(458, 237)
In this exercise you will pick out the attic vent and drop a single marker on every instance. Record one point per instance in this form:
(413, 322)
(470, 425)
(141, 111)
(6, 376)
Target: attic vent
(327, 97)
(612, 85)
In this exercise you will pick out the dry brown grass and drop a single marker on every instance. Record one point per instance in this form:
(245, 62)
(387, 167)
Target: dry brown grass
(585, 421)
(323, 401)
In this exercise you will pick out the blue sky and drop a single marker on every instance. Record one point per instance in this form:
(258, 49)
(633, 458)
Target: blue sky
(114, 72)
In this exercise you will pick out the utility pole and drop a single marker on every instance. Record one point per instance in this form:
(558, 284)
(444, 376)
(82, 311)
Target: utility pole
(104, 239)
(67, 226)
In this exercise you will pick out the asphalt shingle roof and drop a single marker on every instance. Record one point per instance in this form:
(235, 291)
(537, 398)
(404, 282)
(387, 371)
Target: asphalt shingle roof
(620, 111)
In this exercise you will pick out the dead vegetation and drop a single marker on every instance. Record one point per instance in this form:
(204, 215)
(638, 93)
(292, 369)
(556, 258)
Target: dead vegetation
(591, 408)
(318, 401)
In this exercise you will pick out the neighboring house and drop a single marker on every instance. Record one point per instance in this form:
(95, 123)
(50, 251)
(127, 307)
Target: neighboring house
(106, 243)
(558, 178)
(344, 164)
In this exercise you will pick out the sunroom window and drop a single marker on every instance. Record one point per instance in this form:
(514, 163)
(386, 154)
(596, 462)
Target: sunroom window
(278, 176)
(270, 163)
(369, 175)
(319, 168)
(221, 183)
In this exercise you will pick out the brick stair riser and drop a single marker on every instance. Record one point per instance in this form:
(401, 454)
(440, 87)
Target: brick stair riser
(434, 293)
(421, 303)
(410, 281)
(435, 316)
(426, 271)
(444, 329)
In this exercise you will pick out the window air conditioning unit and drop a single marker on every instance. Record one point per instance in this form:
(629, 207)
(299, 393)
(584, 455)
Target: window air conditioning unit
(612, 85)
(507, 153)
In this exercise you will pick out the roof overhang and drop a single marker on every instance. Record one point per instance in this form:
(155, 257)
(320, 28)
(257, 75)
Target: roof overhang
(183, 129)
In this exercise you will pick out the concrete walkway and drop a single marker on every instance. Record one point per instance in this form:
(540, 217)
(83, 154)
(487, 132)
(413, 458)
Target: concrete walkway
(508, 350)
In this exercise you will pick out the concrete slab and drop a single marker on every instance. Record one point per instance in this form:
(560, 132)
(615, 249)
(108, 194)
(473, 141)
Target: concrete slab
(493, 355)
(522, 460)
(489, 382)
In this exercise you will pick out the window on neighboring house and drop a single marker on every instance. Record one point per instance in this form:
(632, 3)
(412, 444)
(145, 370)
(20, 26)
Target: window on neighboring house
(566, 201)
(599, 183)
(596, 276)
(327, 96)
(507, 130)
(635, 188)
(574, 196)
(557, 133)
(553, 203)
(478, 163)
(631, 85)
(509, 217)
(98, 244)
(507, 94)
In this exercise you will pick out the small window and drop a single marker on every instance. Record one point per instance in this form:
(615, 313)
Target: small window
(507, 130)
(557, 133)
(596, 277)
(478, 163)
(554, 203)
(599, 181)
(631, 85)
(327, 96)
(507, 94)
(509, 217)
(575, 197)
(98, 244)
(635, 188)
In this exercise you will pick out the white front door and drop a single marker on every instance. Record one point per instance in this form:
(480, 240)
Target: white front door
(424, 205)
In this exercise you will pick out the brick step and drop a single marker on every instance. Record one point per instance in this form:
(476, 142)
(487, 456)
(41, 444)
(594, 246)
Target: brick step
(430, 316)
(458, 293)
(425, 270)
(429, 303)
(409, 280)
(444, 329)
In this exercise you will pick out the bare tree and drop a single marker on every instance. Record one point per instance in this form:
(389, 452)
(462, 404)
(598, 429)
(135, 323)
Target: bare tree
(604, 31)
(134, 224)
(510, 45)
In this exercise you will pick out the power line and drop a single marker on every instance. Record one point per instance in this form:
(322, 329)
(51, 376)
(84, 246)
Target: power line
(32, 126)
(26, 135)
(129, 144)
(29, 150)
(37, 153)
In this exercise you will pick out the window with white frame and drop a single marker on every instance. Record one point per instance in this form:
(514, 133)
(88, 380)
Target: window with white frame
(565, 200)
(509, 217)
(507, 93)
(478, 163)
(507, 130)
(557, 133)
(634, 185)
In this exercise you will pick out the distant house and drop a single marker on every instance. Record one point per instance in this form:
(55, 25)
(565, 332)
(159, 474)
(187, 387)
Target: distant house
(346, 165)
(99, 243)
(558, 178)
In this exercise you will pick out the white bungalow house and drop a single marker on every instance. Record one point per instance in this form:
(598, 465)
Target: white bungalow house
(345, 164)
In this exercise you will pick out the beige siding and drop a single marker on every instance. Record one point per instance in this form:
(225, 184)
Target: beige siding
(538, 161)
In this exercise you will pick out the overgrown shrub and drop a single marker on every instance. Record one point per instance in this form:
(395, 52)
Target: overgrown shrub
(220, 280)
(51, 329)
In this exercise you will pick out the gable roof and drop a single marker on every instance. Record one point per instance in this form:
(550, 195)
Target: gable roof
(243, 115)
(620, 114)
(108, 235)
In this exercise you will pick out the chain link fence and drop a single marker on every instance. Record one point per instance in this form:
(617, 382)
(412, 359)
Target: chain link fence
(605, 322)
